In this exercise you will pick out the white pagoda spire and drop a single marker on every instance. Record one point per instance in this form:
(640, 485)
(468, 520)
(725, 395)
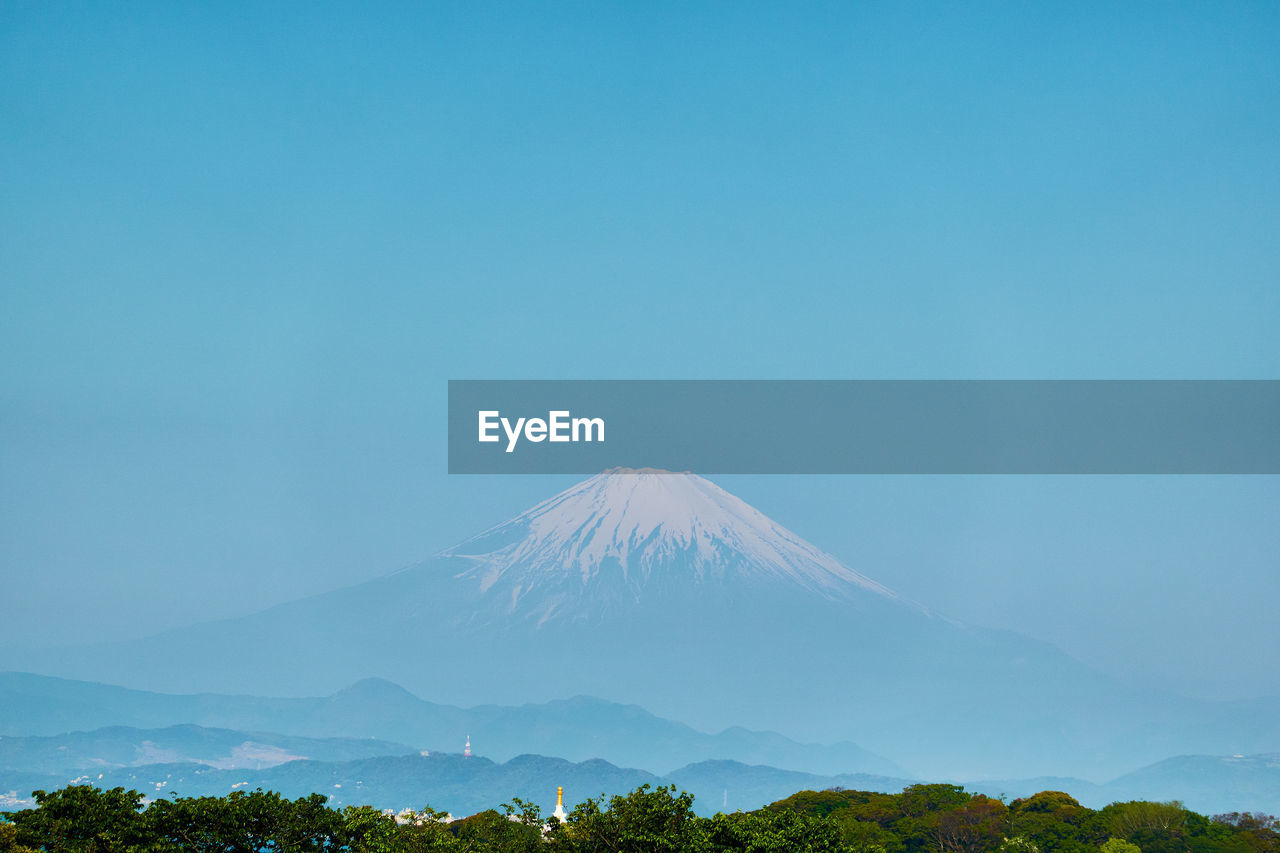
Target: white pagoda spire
(466, 753)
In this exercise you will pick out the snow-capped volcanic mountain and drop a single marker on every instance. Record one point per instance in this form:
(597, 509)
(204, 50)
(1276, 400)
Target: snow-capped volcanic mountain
(663, 590)
(626, 537)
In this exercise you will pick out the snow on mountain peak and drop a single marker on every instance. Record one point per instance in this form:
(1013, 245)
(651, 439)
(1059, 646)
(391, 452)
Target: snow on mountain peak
(629, 527)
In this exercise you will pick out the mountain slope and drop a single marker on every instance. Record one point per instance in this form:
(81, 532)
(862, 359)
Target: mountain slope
(1211, 783)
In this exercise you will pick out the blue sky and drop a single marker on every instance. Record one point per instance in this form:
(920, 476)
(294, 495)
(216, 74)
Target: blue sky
(243, 247)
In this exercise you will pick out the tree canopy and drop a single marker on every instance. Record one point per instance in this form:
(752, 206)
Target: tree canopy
(920, 819)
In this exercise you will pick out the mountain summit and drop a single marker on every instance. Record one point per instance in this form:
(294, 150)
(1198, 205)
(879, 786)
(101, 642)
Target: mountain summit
(630, 537)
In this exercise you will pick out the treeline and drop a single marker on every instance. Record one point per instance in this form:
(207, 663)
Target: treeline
(921, 819)
(947, 819)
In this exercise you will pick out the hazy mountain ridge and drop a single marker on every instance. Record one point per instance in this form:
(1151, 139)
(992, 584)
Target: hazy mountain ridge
(467, 785)
(114, 747)
(393, 773)
(580, 728)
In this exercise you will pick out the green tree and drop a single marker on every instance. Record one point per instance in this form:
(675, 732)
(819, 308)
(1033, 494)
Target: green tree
(82, 819)
(644, 821)
(919, 813)
(368, 830)
(774, 832)
(865, 836)
(1128, 819)
(508, 831)
(9, 839)
(247, 822)
(1018, 844)
(1052, 820)
(976, 826)
(1260, 833)
(1155, 827)
(921, 800)
(426, 831)
(1119, 845)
